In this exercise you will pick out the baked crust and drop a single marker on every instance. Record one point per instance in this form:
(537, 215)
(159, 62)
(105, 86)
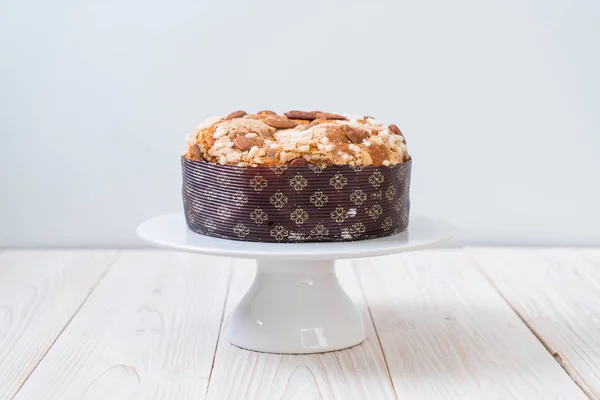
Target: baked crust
(318, 138)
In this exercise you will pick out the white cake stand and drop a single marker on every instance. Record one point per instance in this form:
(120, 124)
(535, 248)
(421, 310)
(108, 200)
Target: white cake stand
(296, 304)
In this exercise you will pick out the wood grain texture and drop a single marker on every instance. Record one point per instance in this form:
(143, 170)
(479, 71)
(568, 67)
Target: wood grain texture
(446, 333)
(40, 291)
(557, 293)
(356, 373)
(148, 331)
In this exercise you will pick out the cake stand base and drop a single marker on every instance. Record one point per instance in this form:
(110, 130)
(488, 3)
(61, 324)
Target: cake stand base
(296, 304)
(295, 307)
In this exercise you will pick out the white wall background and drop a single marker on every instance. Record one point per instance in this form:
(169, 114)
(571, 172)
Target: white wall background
(499, 102)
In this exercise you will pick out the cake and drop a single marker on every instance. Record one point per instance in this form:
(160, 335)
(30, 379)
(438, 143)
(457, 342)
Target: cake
(302, 176)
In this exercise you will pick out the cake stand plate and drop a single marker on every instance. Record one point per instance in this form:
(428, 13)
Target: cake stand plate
(295, 304)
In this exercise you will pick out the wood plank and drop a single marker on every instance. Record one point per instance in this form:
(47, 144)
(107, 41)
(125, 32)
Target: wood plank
(356, 373)
(446, 333)
(148, 331)
(557, 293)
(40, 291)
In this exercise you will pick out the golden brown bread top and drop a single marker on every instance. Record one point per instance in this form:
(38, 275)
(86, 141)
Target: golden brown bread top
(296, 138)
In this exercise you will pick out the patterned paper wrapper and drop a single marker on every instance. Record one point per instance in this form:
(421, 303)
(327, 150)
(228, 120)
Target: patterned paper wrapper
(295, 204)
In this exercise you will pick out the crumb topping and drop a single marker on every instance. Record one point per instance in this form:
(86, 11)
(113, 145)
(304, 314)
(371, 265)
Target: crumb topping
(296, 138)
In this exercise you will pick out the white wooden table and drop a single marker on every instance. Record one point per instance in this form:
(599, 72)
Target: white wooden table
(449, 324)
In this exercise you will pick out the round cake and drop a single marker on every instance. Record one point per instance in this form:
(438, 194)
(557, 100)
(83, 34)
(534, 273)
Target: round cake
(303, 176)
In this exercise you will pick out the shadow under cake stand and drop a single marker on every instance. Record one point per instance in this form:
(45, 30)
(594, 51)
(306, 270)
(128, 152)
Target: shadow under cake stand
(295, 304)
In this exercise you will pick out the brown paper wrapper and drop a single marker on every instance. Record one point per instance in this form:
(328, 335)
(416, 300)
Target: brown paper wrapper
(295, 204)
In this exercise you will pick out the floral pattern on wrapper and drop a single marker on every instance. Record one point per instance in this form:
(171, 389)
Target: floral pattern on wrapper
(300, 204)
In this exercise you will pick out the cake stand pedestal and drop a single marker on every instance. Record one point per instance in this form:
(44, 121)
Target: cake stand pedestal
(295, 304)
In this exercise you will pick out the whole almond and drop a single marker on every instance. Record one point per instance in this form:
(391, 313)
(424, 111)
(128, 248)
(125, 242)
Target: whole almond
(325, 115)
(298, 162)
(267, 112)
(367, 117)
(394, 129)
(243, 143)
(355, 135)
(236, 114)
(280, 122)
(307, 115)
